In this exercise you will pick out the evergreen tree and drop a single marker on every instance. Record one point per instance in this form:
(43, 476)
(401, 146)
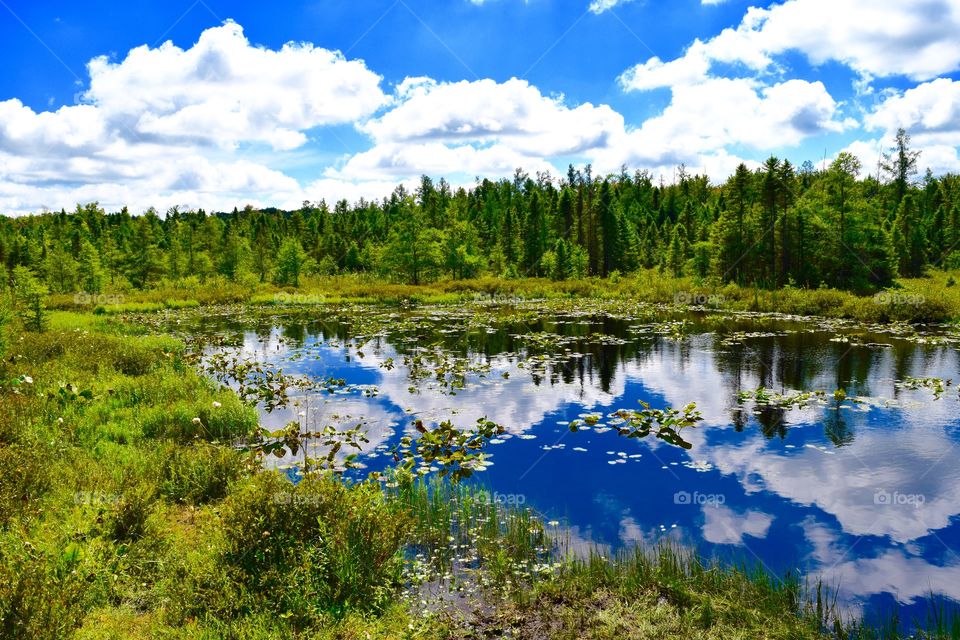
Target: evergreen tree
(562, 267)
(900, 164)
(291, 262)
(89, 270)
(909, 239)
(60, 268)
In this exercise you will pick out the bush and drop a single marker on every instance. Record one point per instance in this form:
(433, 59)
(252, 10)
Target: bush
(315, 548)
(200, 473)
(200, 419)
(128, 517)
(41, 595)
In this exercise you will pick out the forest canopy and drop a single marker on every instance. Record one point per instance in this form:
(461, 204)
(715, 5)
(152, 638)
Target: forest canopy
(778, 224)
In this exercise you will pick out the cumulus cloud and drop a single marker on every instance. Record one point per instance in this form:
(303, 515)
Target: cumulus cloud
(480, 127)
(703, 119)
(929, 111)
(163, 125)
(225, 91)
(484, 111)
(878, 39)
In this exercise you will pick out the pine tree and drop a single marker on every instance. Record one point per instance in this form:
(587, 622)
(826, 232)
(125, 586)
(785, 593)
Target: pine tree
(909, 239)
(900, 164)
(609, 228)
(60, 268)
(89, 270)
(291, 262)
(562, 268)
(31, 299)
(676, 256)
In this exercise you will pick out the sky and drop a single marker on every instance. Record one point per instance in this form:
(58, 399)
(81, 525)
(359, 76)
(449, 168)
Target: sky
(215, 104)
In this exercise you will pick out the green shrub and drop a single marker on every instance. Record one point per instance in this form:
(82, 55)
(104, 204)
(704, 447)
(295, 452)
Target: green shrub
(128, 517)
(42, 595)
(315, 548)
(200, 473)
(200, 419)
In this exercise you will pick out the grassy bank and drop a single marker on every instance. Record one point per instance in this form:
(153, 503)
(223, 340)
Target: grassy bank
(935, 298)
(125, 512)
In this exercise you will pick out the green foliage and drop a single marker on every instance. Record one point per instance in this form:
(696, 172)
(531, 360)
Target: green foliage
(31, 300)
(315, 548)
(200, 473)
(6, 315)
(292, 262)
(763, 228)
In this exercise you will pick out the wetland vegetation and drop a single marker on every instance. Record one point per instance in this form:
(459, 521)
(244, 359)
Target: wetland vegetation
(594, 408)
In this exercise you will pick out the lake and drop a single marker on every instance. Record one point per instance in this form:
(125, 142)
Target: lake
(860, 487)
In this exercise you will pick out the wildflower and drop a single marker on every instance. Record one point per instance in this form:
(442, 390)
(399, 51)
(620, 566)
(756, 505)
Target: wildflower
(216, 405)
(196, 421)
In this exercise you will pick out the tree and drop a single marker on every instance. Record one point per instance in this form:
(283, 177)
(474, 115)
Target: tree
(31, 299)
(676, 256)
(144, 259)
(900, 163)
(291, 262)
(89, 271)
(535, 237)
(60, 268)
(909, 239)
(262, 249)
(609, 227)
(562, 267)
(234, 254)
(413, 251)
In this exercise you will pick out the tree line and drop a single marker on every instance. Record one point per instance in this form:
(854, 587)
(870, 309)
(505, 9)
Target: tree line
(769, 227)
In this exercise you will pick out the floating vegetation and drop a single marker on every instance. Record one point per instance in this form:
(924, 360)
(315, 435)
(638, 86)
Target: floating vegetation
(446, 450)
(765, 398)
(937, 385)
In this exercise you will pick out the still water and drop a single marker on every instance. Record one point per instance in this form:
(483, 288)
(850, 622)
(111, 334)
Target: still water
(861, 490)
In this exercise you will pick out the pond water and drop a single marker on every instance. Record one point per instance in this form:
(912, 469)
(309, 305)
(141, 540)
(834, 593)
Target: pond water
(861, 490)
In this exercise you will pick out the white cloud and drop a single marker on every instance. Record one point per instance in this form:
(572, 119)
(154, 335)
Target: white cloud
(480, 127)
(723, 525)
(929, 111)
(599, 6)
(163, 126)
(225, 91)
(484, 111)
(705, 118)
(879, 39)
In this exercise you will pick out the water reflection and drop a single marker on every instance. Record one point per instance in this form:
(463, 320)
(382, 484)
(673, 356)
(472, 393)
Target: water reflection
(863, 490)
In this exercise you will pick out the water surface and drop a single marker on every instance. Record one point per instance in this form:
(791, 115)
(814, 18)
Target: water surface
(862, 491)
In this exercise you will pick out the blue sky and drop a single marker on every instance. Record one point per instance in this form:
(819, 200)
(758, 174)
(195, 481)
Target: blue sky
(204, 103)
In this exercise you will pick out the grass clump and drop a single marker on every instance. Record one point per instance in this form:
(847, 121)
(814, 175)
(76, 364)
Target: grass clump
(314, 549)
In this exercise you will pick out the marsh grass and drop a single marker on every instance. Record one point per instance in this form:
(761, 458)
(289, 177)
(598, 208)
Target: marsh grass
(934, 298)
